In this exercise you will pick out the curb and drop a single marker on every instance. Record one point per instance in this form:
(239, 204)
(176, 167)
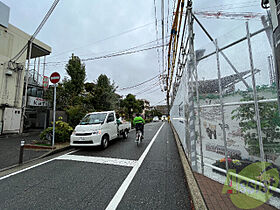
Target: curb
(32, 146)
(197, 200)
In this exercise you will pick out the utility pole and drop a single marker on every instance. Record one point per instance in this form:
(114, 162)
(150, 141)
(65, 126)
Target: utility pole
(29, 57)
(26, 88)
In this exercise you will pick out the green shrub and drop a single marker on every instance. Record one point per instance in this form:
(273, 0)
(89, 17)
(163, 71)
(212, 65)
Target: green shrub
(62, 132)
(75, 115)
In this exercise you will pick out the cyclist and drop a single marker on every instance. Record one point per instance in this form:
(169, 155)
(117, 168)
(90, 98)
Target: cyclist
(139, 122)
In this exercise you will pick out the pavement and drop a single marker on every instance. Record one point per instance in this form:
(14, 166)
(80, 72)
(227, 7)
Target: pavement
(10, 148)
(212, 193)
(123, 176)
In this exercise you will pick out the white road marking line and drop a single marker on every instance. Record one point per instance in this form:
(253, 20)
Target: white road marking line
(121, 191)
(100, 160)
(39, 164)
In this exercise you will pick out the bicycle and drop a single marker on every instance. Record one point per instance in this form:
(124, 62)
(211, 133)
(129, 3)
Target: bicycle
(138, 137)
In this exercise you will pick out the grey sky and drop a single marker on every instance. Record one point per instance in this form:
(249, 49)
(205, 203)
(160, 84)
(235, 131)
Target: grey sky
(76, 26)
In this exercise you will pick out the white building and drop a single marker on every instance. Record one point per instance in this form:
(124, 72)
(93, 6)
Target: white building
(12, 73)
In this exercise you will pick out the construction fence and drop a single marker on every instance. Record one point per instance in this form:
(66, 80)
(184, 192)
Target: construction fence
(225, 109)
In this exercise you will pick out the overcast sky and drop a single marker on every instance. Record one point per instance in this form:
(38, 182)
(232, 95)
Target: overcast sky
(89, 28)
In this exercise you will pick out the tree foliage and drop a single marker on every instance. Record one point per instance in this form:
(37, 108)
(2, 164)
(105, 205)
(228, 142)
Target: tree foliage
(77, 97)
(104, 94)
(130, 105)
(77, 72)
(270, 120)
(153, 113)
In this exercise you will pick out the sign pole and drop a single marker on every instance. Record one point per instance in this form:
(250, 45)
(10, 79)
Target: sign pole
(54, 78)
(54, 107)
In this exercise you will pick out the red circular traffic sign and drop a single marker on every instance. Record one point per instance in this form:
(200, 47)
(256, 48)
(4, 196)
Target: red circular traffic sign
(55, 77)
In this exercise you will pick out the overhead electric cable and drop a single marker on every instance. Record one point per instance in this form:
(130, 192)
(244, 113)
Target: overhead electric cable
(134, 86)
(14, 59)
(148, 89)
(101, 40)
(159, 102)
(107, 56)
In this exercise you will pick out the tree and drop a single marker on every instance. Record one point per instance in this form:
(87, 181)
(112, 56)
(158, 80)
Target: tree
(270, 120)
(77, 72)
(153, 113)
(104, 94)
(131, 105)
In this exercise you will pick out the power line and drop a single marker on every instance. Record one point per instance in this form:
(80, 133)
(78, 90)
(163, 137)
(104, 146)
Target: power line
(14, 59)
(106, 56)
(120, 54)
(148, 89)
(159, 102)
(134, 86)
(112, 53)
(101, 40)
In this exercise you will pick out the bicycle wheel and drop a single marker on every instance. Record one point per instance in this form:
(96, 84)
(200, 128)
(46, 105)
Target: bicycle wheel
(139, 136)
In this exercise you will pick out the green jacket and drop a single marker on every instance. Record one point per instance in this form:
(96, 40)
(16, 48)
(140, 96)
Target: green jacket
(138, 120)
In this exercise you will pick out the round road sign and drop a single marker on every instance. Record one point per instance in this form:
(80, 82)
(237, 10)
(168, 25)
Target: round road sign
(55, 77)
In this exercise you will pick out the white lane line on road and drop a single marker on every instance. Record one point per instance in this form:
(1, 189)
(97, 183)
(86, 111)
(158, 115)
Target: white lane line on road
(28, 168)
(121, 191)
(100, 160)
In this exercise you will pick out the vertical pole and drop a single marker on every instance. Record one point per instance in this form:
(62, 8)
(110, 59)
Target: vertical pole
(191, 94)
(38, 71)
(34, 70)
(198, 115)
(255, 93)
(221, 103)
(270, 70)
(44, 66)
(21, 152)
(54, 107)
(186, 112)
(26, 86)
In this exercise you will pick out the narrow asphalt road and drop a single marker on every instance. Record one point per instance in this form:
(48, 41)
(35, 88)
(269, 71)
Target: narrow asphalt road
(123, 176)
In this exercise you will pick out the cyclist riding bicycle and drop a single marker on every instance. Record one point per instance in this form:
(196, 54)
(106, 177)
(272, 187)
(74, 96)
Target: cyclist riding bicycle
(139, 122)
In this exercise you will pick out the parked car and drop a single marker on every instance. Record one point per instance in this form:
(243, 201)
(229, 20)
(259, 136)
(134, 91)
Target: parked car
(98, 128)
(156, 119)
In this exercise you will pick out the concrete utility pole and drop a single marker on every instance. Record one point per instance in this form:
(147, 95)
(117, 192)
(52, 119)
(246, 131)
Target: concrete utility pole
(26, 88)
(29, 57)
